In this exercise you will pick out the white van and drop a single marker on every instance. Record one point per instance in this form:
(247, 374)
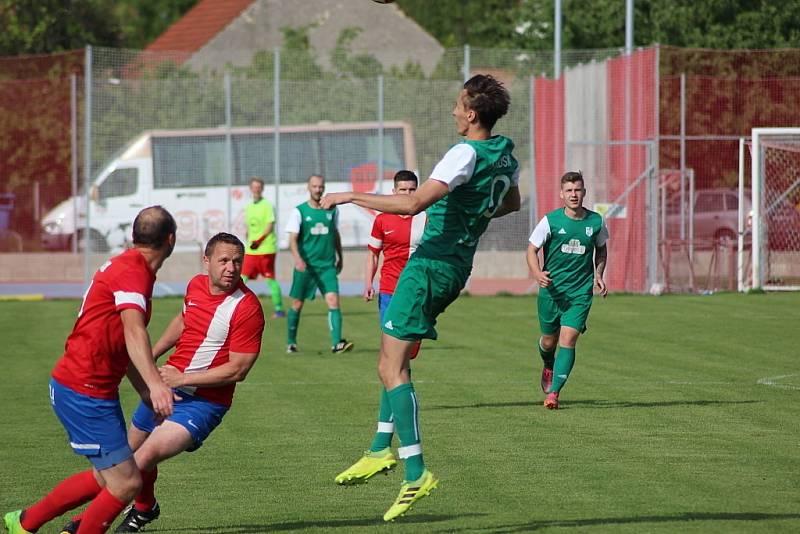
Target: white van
(186, 171)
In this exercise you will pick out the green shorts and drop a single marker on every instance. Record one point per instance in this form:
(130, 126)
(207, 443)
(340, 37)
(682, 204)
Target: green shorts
(563, 311)
(425, 288)
(305, 284)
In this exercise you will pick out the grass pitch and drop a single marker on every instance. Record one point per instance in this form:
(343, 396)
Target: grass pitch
(682, 414)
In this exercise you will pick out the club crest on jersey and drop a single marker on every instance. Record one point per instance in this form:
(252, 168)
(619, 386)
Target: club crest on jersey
(589, 231)
(319, 229)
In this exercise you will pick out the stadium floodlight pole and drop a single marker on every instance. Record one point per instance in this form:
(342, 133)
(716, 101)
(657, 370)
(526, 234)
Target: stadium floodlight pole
(557, 41)
(87, 161)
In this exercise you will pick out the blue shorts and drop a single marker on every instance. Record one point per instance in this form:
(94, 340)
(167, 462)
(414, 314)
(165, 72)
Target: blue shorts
(96, 427)
(383, 302)
(197, 415)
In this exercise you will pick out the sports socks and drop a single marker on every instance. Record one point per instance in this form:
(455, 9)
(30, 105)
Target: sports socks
(335, 325)
(565, 360)
(275, 293)
(405, 409)
(99, 515)
(146, 499)
(548, 356)
(68, 494)
(383, 437)
(292, 321)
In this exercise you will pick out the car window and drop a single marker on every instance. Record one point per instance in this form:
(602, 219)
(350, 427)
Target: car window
(120, 183)
(732, 202)
(707, 202)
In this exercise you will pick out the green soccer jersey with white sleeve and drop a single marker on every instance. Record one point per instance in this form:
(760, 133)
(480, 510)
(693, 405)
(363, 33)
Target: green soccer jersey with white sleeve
(478, 175)
(316, 234)
(568, 246)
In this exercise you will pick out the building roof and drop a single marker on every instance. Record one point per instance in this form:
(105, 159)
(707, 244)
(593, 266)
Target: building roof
(199, 25)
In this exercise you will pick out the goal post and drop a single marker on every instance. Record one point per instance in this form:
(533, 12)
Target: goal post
(775, 197)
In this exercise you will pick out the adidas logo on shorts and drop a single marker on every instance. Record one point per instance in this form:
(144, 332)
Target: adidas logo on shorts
(388, 325)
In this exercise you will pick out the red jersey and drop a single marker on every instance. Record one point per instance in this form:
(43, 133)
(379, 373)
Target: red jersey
(213, 326)
(397, 236)
(95, 357)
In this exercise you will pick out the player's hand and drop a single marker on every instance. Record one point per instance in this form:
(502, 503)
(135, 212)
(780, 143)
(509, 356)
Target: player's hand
(161, 398)
(369, 292)
(332, 200)
(600, 285)
(300, 266)
(543, 279)
(171, 376)
(255, 244)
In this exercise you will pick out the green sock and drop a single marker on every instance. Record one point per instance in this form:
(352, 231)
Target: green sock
(292, 322)
(548, 356)
(277, 297)
(404, 406)
(383, 437)
(562, 368)
(335, 325)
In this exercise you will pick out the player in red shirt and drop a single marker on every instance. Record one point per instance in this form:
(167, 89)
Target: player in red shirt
(110, 332)
(397, 236)
(217, 338)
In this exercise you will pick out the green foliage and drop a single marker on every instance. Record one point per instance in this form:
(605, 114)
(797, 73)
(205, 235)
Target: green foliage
(666, 431)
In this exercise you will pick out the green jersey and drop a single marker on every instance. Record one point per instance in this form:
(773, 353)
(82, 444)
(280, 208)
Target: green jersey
(478, 175)
(258, 215)
(568, 245)
(316, 234)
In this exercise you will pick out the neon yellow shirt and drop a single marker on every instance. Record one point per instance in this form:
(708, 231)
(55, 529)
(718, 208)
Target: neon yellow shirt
(258, 215)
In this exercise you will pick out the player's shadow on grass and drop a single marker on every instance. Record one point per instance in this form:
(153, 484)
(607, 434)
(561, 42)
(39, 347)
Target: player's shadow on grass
(533, 526)
(593, 404)
(289, 526)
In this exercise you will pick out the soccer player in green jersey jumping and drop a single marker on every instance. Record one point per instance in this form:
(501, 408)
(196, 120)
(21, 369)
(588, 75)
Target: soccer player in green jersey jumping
(475, 181)
(262, 244)
(573, 240)
(317, 251)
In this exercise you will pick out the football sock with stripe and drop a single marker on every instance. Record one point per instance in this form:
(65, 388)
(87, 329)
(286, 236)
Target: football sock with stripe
(383, 437)
(405, 409)
(548, 356)
(68, 494)
(565, 360)
(275, 293)
(292, 321)
(335, 325)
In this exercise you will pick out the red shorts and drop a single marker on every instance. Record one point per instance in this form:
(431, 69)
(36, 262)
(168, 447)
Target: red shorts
(258, 264)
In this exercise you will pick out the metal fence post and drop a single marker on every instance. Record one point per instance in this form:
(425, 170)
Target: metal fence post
(276, 138)
(467, 65)
(87, 163)
(380, 135)
(228, 147)
(73, 128)
(532, 198)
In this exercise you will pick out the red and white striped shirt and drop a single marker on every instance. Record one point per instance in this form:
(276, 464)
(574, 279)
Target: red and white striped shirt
(397, 236)
(95, 355)
(213, 326)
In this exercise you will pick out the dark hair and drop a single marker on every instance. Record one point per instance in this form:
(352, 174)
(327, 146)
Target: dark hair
(405, 176)
(223, 237)
(152, 227)
(572, 176)
(487, 97)
(257, 179)
(315, 175)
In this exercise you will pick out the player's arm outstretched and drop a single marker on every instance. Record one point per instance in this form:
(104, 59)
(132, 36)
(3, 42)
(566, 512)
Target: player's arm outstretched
(427, 194)
(137, 341)
(234, 370)
(170, 336)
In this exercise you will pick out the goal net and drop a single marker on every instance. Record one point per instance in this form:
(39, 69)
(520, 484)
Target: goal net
(771, 229)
